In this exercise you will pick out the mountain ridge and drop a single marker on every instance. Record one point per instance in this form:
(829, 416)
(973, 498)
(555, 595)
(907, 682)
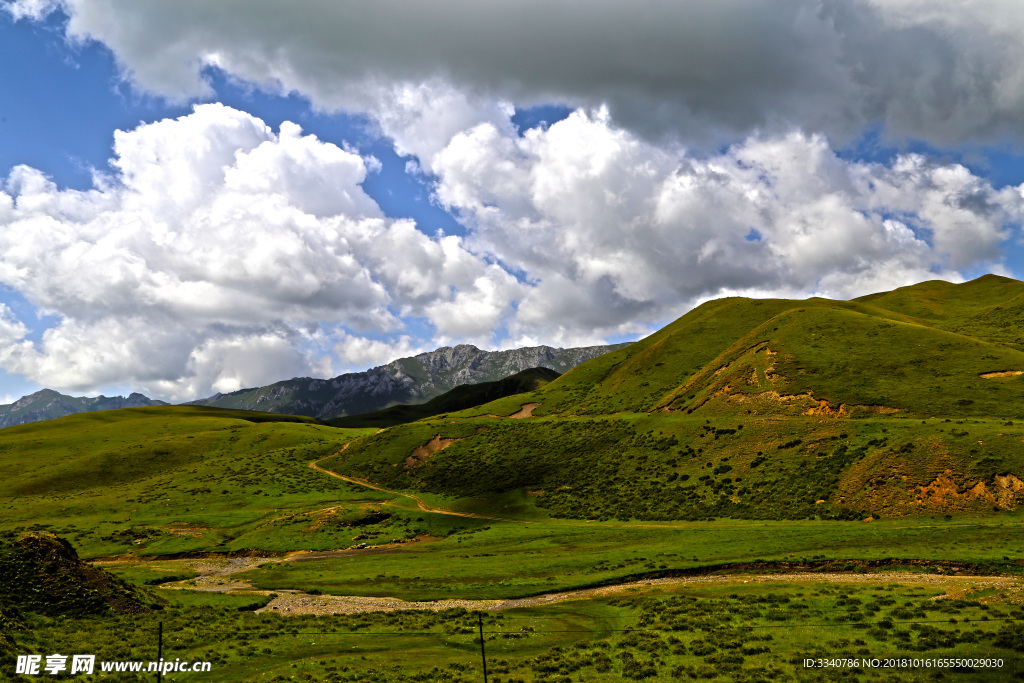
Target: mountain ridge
(47, 404)
(409, 380)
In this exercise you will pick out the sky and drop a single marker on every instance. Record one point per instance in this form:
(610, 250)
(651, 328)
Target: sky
(199, 197)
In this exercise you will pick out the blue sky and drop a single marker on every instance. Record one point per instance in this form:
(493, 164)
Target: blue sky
(198, 199)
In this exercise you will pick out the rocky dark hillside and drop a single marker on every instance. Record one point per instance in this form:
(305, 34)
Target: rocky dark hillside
(404, 381)
(460, 398)
(48, 404)
(42, 573)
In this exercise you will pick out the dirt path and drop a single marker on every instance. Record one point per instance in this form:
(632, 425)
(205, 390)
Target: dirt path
(419, 501)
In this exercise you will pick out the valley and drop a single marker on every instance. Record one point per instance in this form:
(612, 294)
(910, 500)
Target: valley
(759, 483)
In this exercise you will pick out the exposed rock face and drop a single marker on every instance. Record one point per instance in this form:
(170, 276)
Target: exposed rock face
(406, 380)
(48, 404)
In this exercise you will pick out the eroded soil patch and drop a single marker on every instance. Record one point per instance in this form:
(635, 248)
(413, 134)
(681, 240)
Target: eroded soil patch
(526, 410)
(421, 453)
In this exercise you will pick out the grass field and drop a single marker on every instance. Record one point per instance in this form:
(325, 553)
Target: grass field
(835, 441)
(730, 630)
(491, 560)
(171, 479)
(673, 466)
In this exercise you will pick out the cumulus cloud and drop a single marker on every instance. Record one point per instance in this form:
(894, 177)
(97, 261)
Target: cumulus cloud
(942, 71)
(221, 254)
(698, 162)
(356, 353)
(213, 256)
(12, 330)
(613, 231)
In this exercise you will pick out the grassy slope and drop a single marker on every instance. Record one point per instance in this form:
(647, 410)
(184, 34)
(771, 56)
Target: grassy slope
(169, 479)
(639, 377)
(655, 430)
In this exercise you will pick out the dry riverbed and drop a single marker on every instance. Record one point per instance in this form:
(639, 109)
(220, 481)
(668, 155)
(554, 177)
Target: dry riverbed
(215, 574)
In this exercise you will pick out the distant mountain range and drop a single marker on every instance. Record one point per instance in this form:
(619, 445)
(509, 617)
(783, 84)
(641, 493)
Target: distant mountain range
(403, 381)
(48, 404)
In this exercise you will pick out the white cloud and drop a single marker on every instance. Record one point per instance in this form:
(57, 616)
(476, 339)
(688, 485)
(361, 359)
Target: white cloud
(947, 71)
(616, 232)
(357, 353)
(211, 255)
(221, 254)
(30, 9)
(12, 330)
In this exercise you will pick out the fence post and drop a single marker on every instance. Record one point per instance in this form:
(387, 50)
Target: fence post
(160, 653)
(483, 654)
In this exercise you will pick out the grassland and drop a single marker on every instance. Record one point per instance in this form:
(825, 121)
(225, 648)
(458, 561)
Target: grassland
(748, 437)
(729, 630)
(891, 405)
(171, 480)
(672, 466)
(474, 561)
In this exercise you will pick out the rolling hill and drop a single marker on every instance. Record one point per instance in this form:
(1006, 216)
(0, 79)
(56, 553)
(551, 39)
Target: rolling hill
(166, 479)
(898, 403)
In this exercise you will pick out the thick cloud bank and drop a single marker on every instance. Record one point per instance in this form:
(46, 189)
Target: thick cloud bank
(614, 231)
(219, 254)
(943, 71)
(214, 258)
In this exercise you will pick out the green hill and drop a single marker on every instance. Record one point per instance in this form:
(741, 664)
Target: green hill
(41, 574)
(460, 398)
(168, 479)
(893, 404)
(841, 349)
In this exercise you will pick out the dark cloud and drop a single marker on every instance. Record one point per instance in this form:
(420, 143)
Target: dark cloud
(703, 71)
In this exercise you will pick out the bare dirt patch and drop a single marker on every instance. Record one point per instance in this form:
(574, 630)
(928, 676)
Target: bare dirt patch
(216, 574)
(526, 410)
(806, 403)
(421, 453)
(1001, 373)
(186, 529)
(944, 493)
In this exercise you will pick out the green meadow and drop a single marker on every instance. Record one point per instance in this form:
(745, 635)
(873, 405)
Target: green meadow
(501, 560)
(866, 446)
(731, 631)
(170, 479)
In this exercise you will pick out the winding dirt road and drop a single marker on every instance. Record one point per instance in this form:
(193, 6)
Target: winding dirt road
(419, 501)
